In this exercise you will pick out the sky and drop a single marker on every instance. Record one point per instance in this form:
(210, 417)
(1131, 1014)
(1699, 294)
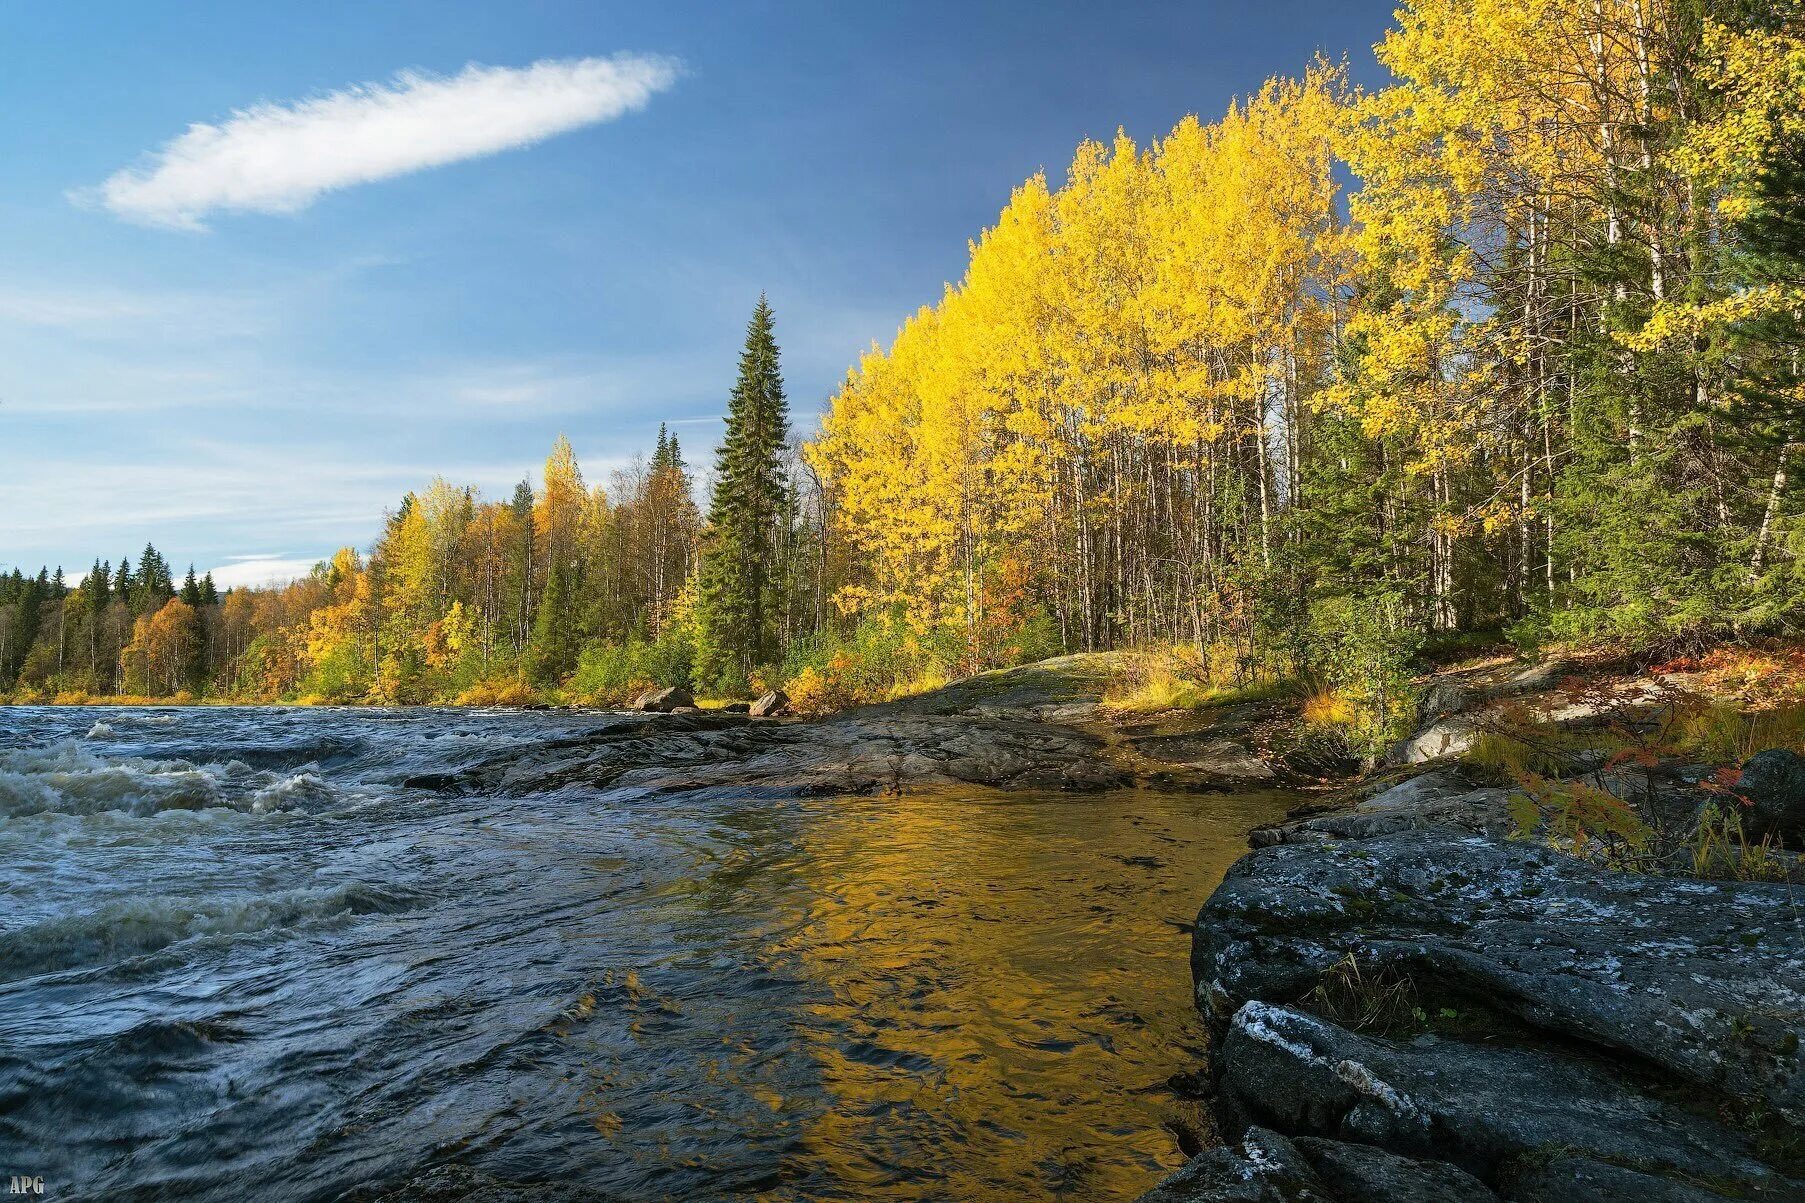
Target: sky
(268, 267)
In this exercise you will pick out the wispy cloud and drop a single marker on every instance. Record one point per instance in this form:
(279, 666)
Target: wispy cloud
(280, 158)
(261, 569)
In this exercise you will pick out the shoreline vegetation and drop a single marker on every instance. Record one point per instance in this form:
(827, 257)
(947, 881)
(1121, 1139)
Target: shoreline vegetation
(1534, 373)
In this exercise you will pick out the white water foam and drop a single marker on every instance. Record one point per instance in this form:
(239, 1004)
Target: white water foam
(67, 778)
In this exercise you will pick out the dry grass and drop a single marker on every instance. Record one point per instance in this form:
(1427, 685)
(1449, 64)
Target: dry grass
(512, 692)
(1155, 680)
(1383, 1001)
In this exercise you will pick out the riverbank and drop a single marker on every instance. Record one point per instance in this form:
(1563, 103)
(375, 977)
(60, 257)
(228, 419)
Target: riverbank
(1545, 954)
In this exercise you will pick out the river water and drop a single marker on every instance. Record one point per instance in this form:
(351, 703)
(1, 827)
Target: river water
(238, 958)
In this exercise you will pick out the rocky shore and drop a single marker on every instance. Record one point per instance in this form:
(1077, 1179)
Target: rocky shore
(1414, 1000)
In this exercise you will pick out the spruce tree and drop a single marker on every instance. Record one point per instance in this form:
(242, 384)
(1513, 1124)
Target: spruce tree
(191, 588)
(520, 570)
(737, 606)
(209, 591)
(552, 652)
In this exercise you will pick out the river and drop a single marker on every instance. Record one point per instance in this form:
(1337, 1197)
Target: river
(237, 955)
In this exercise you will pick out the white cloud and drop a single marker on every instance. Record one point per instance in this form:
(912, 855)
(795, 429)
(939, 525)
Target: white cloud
(280, 158)
(266, 569)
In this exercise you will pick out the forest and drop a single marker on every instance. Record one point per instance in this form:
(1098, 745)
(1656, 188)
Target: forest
(1508, 348)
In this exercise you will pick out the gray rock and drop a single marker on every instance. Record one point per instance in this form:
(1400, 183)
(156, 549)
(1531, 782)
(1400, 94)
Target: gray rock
(1773, 783)
(769, 706)
(1703, 978)
(1440, 699)
(1482, 1108)
(855, 753)
(1206, 753)
(1440, 800)
(663, 701)
(1569, 1179)
(1356, 1172)
(1444, 737)
(1264, 1168)
(737, 708)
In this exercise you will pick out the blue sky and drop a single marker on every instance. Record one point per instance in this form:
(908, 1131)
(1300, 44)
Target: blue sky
(244, 343)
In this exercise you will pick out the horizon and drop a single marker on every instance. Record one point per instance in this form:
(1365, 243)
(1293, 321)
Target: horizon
(269, 278)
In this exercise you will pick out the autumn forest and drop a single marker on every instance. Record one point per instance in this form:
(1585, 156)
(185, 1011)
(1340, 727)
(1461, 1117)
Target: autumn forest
(1509, 347)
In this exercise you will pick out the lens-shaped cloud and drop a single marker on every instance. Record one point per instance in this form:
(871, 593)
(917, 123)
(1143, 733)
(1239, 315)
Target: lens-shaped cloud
(280, 158)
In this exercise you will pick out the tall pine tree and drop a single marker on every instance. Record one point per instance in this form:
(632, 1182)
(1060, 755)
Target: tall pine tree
(737, 607)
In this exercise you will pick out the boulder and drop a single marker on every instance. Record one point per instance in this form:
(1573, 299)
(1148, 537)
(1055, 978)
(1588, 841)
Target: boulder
(663, 701)
(1435, 800)
(1489, 1110)
(771, 705)
(1206, 753)
(1705, 979)
(737, 708)
(1264, 1168)
(1448, 736)
(1354, 1172)
(1441, 699)
(1773, 785)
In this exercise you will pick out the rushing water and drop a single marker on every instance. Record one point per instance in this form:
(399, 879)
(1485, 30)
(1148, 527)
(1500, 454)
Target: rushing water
(236, 956)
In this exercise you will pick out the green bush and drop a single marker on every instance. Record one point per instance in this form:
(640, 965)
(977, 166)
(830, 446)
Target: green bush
(1359, 648)
(613, 673)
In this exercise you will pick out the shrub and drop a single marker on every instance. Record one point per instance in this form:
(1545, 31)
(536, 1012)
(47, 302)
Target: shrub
(876, 660)
(1359, 649)
(508, 692)
(612, 674)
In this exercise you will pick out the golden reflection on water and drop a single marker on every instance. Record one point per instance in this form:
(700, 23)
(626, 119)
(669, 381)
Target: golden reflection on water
(1000, 990)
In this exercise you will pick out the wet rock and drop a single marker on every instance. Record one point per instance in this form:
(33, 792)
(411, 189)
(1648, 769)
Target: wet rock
(770, 705)
(1705, 979)
(1206, 753)
(737, 708)
(664, 701)
(854, 754)
(1483, 1108)
(1441, 800)
(1773, 784)
(1357, 1172)
(1264, 1168)
(1267, 1167)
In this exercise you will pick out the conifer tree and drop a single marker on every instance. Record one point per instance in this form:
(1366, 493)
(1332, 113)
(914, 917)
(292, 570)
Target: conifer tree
(521, 568)
(736, 609)
(191, 588)
(94, 588)
(552, 652)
